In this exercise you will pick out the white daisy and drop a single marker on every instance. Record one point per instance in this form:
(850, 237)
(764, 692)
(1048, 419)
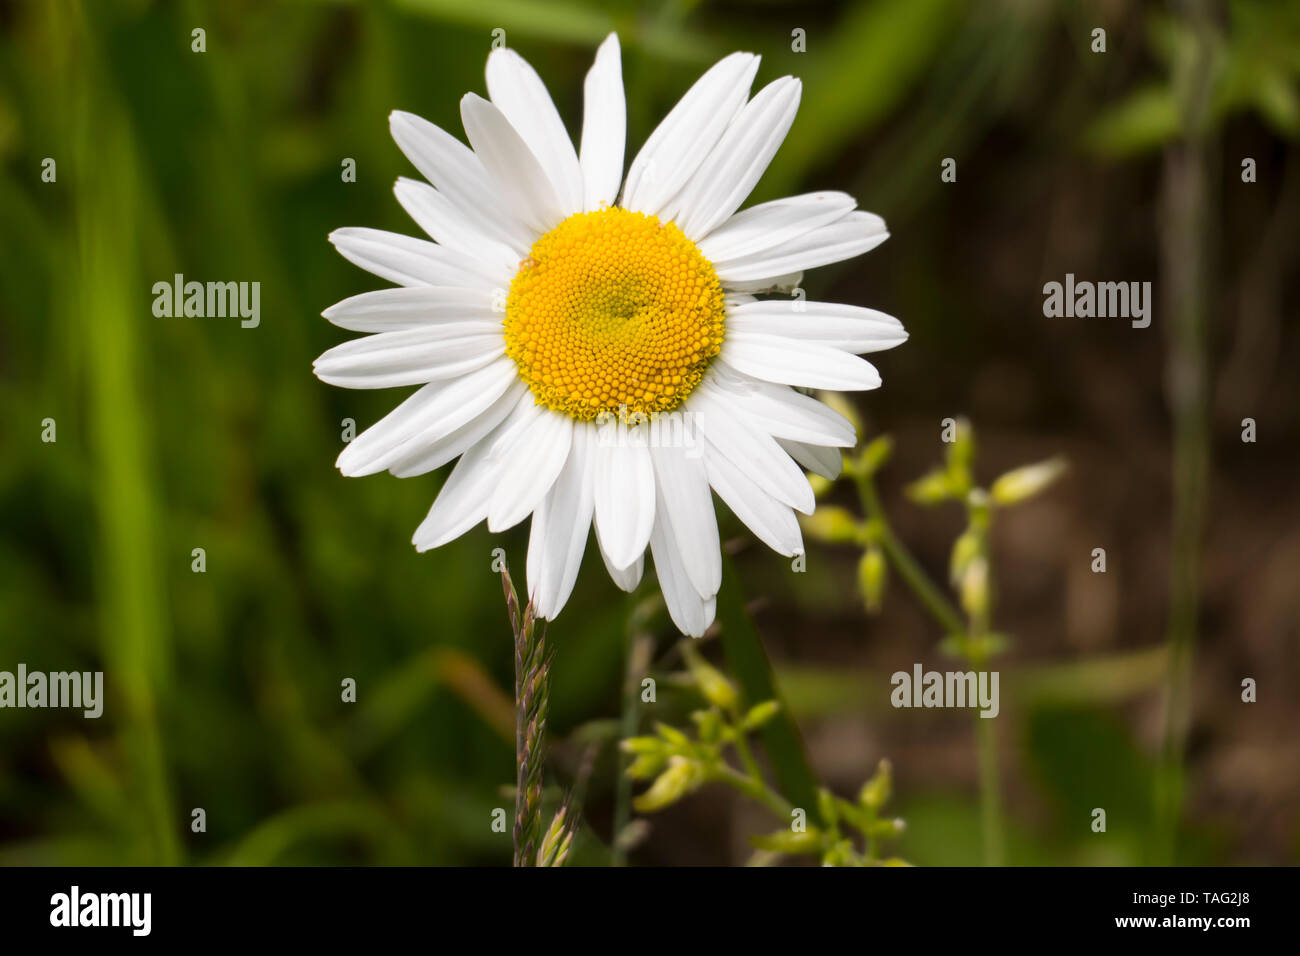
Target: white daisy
(565, 316)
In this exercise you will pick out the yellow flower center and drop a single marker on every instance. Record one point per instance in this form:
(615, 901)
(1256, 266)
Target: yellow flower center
(613, 309)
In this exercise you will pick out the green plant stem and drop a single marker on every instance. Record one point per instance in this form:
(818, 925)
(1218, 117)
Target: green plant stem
(1186, 214)
(747, 756)
(990, 791)
(132, 623)
(755, 788)
(638, 650)
(986, 743)
(947, 616)
(907, 567)
(532, 704)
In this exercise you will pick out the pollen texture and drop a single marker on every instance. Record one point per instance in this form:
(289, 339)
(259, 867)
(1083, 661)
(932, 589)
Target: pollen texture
(613, 309)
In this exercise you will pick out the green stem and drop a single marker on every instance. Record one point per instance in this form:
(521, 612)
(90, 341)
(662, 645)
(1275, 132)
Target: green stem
(532, 704)
(947, 616)
(754, 788)
(747, 756)
(638, 650)
(907, 567)
(990, 791)
(133, 627)
(986, 744)
(1186, 220)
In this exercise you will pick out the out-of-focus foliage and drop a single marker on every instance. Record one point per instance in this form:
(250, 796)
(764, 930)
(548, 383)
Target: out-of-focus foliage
(1256, 66)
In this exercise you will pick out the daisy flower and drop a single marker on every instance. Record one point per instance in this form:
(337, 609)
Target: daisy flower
(591, 346)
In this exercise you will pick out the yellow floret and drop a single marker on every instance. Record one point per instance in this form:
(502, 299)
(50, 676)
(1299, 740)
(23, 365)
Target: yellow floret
(613, 309)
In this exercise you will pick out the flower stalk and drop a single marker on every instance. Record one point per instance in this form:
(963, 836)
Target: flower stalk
(532, 703)
(842, 832)
(967, 625)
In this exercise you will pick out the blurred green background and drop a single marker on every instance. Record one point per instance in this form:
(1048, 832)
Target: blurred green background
(183, 433)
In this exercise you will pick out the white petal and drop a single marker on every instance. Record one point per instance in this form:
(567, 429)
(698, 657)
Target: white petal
(733, 168)
(604, 127)
(772, 522)
(363, 454)
(791, 362)
(532, 451)
(624, 491)
(685, 503)
(419, 456)
(786, 413)
(458, 174)
(626, 578)
(856, 233)
(514, 169)
(446, 224)
(517, 90)
(847, 327)
(392, 310)
(772, 223)
(412, 356)
(558, 536)
(413, 262)
(462, 502)
(827, 462)
(690, 612)
(429, 414)
(692, 128)
(728, 430)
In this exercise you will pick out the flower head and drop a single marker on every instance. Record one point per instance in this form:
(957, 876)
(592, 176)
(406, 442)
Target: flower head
(593, 347)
